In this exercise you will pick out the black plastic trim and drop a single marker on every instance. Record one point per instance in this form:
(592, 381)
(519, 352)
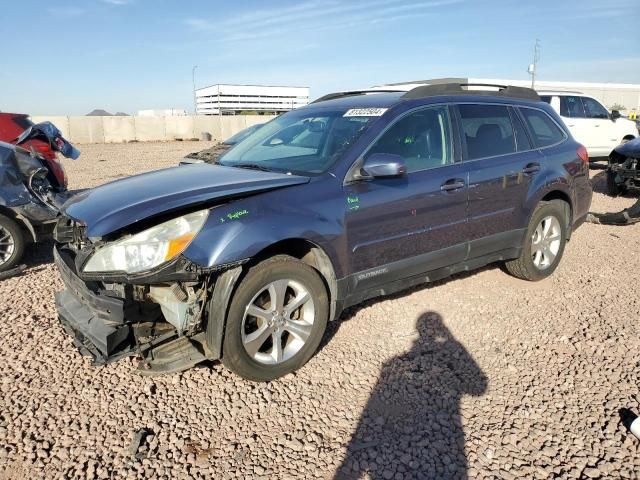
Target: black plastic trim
(509, 91)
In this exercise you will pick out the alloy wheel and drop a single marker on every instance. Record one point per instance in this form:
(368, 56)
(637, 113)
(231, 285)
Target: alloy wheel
(278, 322)
(7, 245)
(545, 242)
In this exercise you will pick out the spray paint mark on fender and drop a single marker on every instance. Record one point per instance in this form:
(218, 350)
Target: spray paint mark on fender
(353, 202)
(234, 215)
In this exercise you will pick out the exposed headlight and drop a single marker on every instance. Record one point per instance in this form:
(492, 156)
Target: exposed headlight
(150, 248)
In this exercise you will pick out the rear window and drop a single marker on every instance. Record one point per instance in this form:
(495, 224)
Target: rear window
(544, 131)
(487, 130)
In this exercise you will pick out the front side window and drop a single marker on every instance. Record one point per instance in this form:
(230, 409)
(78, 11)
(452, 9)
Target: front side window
(544, 131)
(306, 141)
(593, 109)
(421, 138)
(571, 107)
(487, 130)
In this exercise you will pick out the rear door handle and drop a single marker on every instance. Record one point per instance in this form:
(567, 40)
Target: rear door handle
(531, 168)
(452, 185)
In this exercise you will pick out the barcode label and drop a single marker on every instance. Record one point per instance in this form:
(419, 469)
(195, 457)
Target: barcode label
(365, 112)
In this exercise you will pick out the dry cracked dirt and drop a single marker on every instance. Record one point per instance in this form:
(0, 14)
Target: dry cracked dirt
(479, 376)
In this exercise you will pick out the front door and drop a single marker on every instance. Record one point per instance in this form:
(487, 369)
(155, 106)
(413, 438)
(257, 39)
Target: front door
(604, 129)
(401, 227)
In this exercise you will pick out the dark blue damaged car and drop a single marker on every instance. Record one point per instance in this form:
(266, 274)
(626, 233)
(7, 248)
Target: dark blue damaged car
(357, 195)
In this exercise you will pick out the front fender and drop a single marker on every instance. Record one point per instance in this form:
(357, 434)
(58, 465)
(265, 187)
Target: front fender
(240, 230)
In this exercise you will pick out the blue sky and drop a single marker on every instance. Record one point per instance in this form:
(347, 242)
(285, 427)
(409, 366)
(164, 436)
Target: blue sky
(68, 57)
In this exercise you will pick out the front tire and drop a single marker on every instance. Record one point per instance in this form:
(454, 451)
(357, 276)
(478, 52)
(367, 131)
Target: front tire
(12, 243)
(613, 188)
(543, 244)
(276, 320)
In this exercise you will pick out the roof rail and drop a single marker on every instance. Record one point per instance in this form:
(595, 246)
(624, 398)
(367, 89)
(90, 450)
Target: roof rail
(333, 96)
(457, 89)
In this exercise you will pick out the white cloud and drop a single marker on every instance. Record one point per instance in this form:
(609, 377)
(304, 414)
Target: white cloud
(117, 2)
(313, 16)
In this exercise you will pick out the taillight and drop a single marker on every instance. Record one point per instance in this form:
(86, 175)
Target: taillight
(583, 154)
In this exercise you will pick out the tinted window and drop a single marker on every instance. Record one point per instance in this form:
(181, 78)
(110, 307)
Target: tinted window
(487, 130)
(593, 109)
(522, 139)
(571, 107)
(546, 98)
(421, 138)
(544, 131)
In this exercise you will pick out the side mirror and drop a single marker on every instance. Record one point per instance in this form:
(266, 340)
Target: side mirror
(384, 165)
(615, 114)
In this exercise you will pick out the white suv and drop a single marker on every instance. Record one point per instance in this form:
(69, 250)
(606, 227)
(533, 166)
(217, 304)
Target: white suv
(590, 122)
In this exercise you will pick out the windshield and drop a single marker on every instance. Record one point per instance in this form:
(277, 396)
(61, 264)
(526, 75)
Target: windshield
(306, 141)
(242, 134)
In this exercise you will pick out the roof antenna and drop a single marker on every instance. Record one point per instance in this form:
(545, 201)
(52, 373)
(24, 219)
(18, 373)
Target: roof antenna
(534, 66)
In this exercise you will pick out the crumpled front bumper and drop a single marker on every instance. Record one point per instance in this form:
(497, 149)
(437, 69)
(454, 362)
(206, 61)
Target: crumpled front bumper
(96, 322)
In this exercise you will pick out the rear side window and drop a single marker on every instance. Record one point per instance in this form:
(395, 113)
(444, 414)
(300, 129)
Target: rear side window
(487, 130)
(593, 109)
(422, 139)
(571, 107)
(544, 131)
(546, 98)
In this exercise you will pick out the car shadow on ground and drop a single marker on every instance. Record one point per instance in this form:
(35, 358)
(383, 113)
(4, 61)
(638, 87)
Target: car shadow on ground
(38, 254)
(412, 423)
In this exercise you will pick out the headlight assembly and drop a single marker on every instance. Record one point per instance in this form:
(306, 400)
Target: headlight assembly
(148, 249)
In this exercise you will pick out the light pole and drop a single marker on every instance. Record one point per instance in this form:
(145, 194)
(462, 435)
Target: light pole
(193, 79)
(534, 66)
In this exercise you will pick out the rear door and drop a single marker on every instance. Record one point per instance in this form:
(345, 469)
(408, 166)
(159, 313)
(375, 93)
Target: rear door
(582, 128)
(400, 227)
(501, 163)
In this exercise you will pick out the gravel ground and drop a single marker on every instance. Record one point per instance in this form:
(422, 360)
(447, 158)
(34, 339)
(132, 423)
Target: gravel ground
(481, 375)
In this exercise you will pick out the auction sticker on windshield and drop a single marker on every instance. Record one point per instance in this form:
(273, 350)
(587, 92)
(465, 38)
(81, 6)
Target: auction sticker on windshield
(365, 112)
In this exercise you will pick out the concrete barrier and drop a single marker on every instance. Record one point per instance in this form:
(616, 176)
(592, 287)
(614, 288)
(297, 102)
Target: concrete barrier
(126, 129)
(118, 129)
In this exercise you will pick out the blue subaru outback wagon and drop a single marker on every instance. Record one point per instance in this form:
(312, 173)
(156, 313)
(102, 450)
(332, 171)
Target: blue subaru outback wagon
(356, 195)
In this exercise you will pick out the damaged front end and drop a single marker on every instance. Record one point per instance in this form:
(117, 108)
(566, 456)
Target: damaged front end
(160, 315)
(623, 169)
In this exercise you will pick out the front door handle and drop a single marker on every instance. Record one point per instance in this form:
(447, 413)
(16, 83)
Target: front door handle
(452, 185)
(531, 168)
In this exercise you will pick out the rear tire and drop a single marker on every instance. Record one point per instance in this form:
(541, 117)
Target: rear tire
(12, 243)
(276, 320)
(543, 244)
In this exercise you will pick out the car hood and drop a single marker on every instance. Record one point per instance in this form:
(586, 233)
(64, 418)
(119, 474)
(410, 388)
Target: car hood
(629, 149)
(119, 204)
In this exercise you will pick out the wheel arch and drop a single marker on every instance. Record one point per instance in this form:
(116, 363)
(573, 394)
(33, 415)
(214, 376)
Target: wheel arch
(566, 199)
(310, 253)
(302, 249)
(21, 221)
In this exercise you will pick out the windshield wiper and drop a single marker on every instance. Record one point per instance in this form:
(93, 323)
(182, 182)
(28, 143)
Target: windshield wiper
(251, 166)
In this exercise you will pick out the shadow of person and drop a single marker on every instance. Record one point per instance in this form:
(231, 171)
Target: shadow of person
(411, 425)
